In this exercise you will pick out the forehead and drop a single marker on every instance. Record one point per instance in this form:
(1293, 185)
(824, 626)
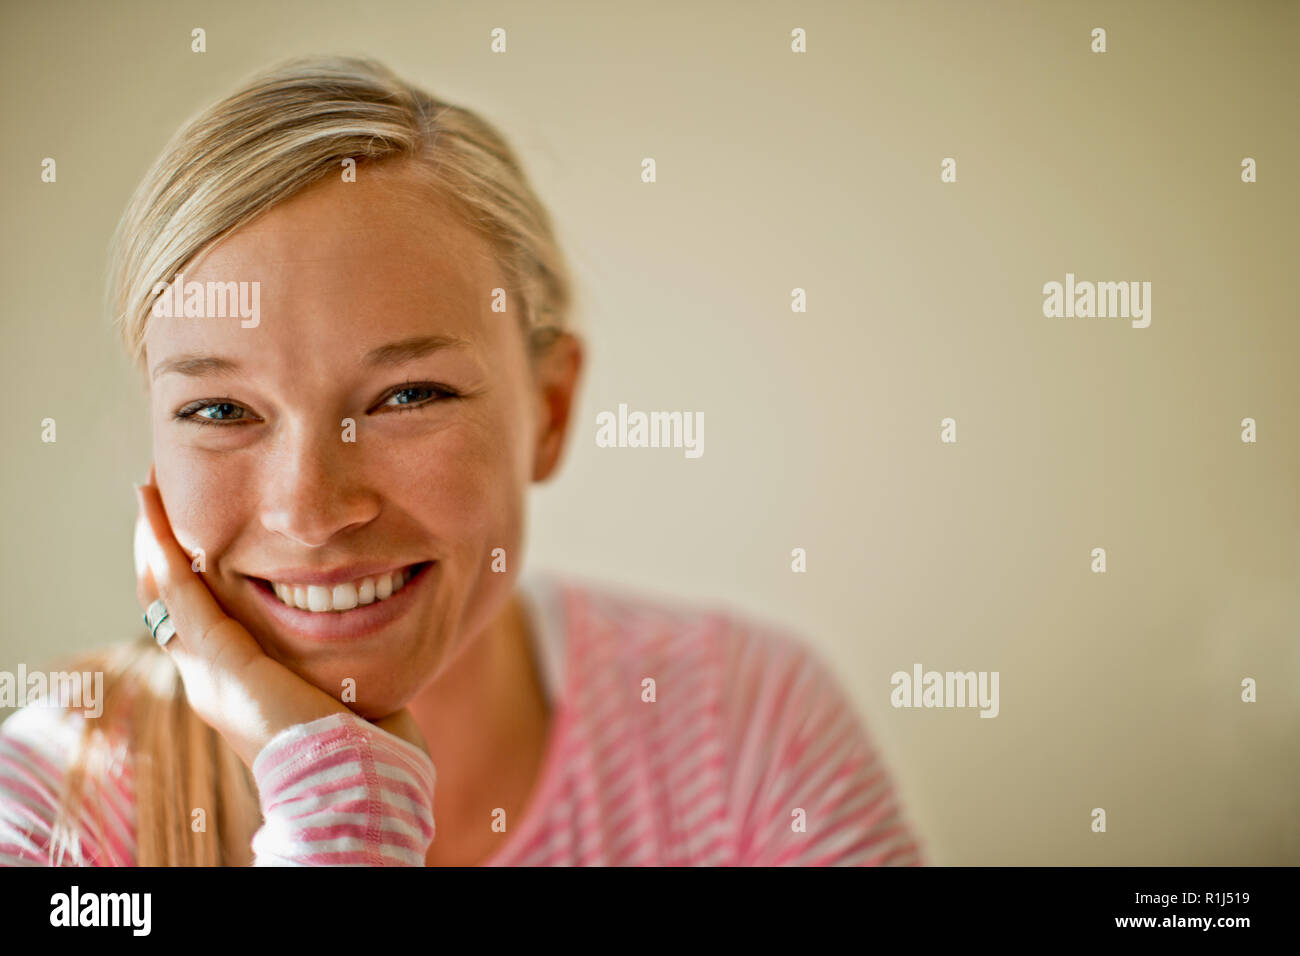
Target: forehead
(339, 269)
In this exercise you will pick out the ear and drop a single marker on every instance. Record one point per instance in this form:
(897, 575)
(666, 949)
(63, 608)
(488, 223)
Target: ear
(556, 371)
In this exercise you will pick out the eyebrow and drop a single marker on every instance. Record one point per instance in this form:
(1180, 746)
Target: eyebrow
(394, 353)
(196, 365)
(404, 350)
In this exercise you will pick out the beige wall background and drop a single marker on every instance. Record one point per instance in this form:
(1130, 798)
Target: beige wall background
(822, 429)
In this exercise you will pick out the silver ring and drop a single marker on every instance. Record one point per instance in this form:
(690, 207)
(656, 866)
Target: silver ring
(158, 620)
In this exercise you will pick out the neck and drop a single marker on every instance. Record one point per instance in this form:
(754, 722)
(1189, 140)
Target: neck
(485, 715)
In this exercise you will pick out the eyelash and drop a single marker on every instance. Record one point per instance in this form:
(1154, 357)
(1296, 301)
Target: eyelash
(189, 413)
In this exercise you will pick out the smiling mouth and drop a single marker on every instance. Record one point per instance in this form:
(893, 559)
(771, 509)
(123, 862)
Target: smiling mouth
(341, 598)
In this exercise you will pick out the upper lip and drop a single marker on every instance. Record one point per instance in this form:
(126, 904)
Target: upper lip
(332, 576)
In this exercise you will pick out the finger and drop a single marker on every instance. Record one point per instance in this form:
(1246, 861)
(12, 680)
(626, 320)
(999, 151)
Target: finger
(146, 591)
(202, 628)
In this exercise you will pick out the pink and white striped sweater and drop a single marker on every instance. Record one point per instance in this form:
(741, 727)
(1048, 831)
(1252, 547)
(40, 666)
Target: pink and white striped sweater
(748, 755)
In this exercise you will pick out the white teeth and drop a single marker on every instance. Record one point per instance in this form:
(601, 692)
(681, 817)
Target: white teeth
(341, 597)
(345, 597)
(318, 598)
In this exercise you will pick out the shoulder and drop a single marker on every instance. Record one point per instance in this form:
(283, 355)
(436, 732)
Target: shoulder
(750, 729)
(634, 623)
(42, 737)
(749, 666)
(39, 746)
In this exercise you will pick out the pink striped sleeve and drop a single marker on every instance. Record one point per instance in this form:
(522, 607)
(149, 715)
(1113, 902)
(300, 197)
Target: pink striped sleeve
(36, 745)
(340, 791)
(807, 781)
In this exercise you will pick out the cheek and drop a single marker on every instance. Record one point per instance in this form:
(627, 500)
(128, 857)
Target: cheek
(463, 482)
(196, 489)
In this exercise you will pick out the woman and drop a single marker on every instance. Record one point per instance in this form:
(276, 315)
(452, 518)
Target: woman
(353, 320)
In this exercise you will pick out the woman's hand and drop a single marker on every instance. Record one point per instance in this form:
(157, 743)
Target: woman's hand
(232, 684)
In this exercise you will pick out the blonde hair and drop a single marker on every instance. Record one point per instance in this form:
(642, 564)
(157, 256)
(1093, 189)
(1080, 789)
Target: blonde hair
(284, 130)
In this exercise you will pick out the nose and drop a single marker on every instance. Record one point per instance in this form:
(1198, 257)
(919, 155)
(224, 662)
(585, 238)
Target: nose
(315, 489)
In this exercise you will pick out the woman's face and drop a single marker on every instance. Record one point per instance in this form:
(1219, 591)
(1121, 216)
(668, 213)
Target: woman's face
(373, 301)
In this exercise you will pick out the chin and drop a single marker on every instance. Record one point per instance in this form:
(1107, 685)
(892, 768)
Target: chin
(373, 704)
(374, 710)
(378, 690)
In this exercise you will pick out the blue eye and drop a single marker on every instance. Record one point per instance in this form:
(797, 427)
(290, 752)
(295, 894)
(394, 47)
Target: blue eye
(224, 411)
(402, 399)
